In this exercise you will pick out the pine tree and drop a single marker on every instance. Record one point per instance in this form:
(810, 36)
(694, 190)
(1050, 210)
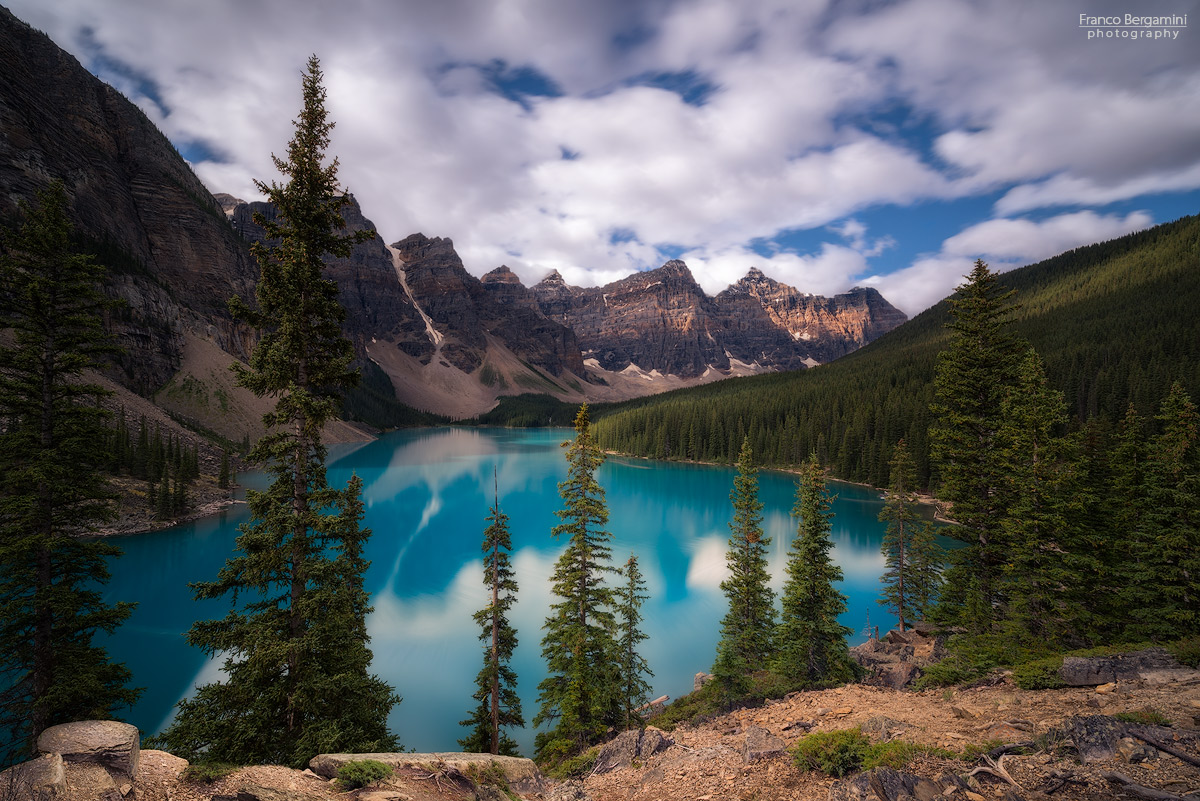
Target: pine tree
(972, 376)
(223, 473)
(927, 559)
(900, 513)
(811, 643)
(580, 694)
(499, 706)
(297, 656)
(1167, 545)
(747, 628)
(1047, 575)
(1132, 595)
(51, 487)
(630, 595)
(164, 506)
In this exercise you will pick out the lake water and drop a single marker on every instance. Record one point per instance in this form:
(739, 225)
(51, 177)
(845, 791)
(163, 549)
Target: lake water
(427, 493)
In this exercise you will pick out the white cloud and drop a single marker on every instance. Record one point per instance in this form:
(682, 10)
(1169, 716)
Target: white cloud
(991, 96)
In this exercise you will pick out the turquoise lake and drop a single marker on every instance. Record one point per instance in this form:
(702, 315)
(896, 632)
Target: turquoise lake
(427, 493)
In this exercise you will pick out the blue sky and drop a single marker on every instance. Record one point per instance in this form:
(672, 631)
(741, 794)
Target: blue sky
(830, 143)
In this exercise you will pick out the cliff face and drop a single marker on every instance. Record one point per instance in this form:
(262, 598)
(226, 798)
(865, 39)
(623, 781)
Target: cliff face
(172, 256)
(377, 307)
(775, 324)
(662, 320)
(466, 310)
(658, 320)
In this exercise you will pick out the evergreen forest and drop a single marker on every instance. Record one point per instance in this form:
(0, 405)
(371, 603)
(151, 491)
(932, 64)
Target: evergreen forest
(1113, 322)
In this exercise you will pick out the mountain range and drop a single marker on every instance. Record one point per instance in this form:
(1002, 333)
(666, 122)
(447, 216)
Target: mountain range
(426, 331)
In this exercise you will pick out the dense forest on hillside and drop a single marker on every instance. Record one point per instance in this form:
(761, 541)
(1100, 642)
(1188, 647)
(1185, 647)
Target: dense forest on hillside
(1115, 323)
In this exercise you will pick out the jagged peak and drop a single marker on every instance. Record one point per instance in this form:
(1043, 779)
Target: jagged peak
(501, 275)
(417, 239)
(553, 278)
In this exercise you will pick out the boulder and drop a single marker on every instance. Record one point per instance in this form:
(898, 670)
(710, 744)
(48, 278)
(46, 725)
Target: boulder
(1134, 751)
(700, 679)
(882, 728)
(37, 779)
(761, 744)
(109, 743)
(897, 676)
(1079, 671)
(569, 791)
(639, 744)
(89, 781)
(1096, 737)
(885, 784)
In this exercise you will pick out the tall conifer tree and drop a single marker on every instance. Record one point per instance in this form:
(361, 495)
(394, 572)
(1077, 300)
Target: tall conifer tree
(580, 694)
(900, 514)
(52, 452)
(748, 625)
(631, 666)
(296, 654)
(1167, 546)
(499, 706)
(811, 644)
(1049, 581)
(972, 377)
(927, 559)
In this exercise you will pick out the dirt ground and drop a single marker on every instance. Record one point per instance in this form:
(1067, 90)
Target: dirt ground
(707, 763)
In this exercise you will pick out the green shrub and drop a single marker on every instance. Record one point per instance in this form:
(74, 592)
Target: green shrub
(208, 772)
(894, 754)
(1187, 651)
(1144, 717)
(834, 752)
(575, 767)
(361, 772)
(1039, 674)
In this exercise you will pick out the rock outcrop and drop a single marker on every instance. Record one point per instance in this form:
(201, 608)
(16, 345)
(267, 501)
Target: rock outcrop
(92, 760)
(895, 660)
(1150, 664)
(521, 774)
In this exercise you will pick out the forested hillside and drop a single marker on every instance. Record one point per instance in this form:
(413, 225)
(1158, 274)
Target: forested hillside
(1115, 323)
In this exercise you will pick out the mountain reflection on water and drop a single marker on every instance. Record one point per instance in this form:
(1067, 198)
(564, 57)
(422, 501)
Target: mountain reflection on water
(426, 494)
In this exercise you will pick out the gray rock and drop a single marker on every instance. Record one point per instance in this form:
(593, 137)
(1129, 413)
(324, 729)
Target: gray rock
(109, 743)
(700, 679)
(896, 676)
(1079, 671)
(569, 791)
(882, 727)
(627, 746)
(1134, 751)
(37, 779)
(761, 744)
(885, 784)
(87, 781)
(1095, 736)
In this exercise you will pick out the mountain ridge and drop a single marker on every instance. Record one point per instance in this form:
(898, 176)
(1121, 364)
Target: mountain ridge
(427, 333)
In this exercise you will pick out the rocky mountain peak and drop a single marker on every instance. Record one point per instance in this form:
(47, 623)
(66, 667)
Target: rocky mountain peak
(501, 275)
(228, 202)
(554, 279)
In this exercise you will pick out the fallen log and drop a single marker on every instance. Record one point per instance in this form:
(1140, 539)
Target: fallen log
(1173, 751)
(1130, 786)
